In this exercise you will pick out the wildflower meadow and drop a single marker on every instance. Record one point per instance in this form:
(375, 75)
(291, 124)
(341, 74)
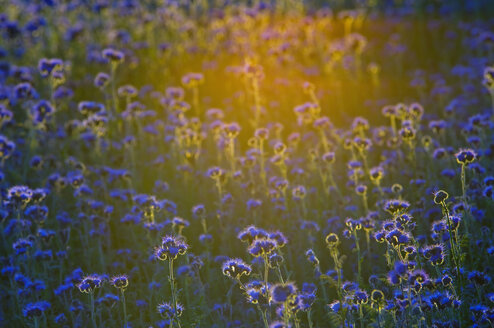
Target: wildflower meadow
(250, 164)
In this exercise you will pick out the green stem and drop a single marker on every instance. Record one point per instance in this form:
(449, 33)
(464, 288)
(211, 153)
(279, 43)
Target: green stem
(91, 297)
(124, 308)
(357, 246)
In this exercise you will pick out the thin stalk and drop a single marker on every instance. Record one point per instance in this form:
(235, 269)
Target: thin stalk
(124, 307)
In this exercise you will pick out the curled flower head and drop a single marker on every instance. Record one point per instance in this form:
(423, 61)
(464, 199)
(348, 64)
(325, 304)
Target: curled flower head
(19, 195)
(311, 257)
(397, 237)
(231, 130)
(262, 247)
(215, 173)
(127, 91)
(299, 192)
(465, 156)
(21, 245)
(360, 297)
(434, 253)
(33, 310)
(262, 133)
(120, 282)
(89, 283)
(278, 324)
(275, 260)
(455, 222)
(281, 293)
(41, 112)
(255, 296)
(446, 280)
(440, 196)
(171, 247)
(479, 278)
(101, 80)
(250, 233)
(407, 133)
(353, 224)
(235, 268)
(167, 310)
(376, 174)
(329, 157)
(47, 67)
(377, 296)
(192, 80)
(332, 240)
(115, 57)
(361, 189)
(418, 277)
(362, 144)
(280, 238)
(380, 236)
(396, 206)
